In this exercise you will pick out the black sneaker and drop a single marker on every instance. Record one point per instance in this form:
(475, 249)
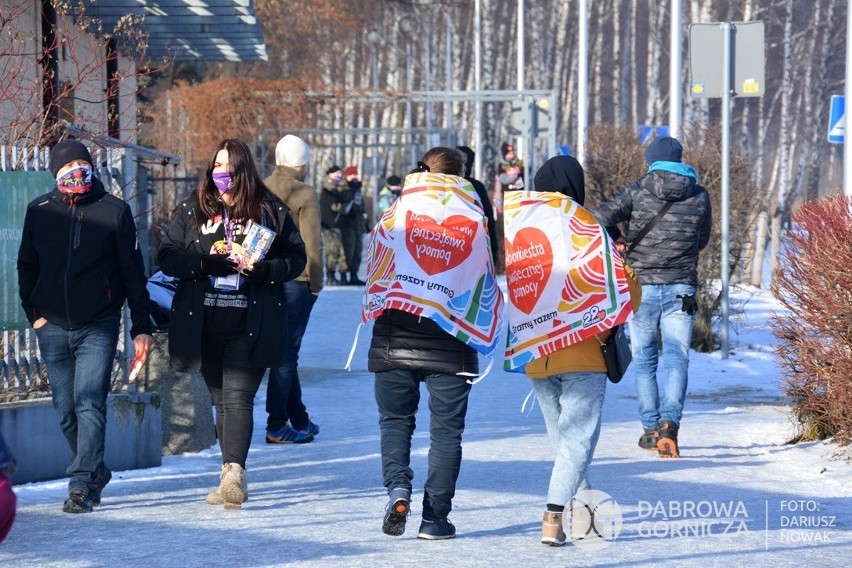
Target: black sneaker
(436, 530)
(355, 281)
(396, 512)
(103, 479)
(648, 440)
(667, 440)
(77, 502)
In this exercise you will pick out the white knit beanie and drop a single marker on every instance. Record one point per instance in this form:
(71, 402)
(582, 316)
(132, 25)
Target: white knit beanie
(292, 151)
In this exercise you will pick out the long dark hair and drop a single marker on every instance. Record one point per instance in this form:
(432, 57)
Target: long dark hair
(248, 192)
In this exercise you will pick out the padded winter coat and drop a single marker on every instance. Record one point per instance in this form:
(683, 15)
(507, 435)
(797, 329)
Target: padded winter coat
(668, 254)
(405, 341)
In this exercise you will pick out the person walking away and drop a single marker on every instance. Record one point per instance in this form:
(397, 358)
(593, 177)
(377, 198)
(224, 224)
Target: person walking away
(353, 225)
(569, 382)
(390, 192)
(333, 202)
(228, 324)
(288, 419)
(78, 262)
(482, 192)
(666, 262)
(414, 342)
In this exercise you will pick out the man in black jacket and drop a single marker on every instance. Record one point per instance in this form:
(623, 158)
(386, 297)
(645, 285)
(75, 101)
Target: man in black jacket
(78, 262)
(334, 201)
(353, 225)
(665, 259)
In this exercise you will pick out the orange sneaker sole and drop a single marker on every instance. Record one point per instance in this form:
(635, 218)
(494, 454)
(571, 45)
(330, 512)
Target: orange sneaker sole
(667, 448)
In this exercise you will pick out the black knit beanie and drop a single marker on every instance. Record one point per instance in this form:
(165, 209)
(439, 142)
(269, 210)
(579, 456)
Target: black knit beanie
(68, 151)
(665, 149)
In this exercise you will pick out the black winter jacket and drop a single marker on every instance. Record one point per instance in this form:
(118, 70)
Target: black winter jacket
(668, 254)
(405, 341)
(180, 256)
(333, 202)
(78, 263)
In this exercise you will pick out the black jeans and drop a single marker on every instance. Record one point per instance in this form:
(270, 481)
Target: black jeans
(397, 396)
(232, 383)
(283, 390)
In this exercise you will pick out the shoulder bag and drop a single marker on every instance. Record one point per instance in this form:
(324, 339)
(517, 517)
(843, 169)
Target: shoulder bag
(616, 353)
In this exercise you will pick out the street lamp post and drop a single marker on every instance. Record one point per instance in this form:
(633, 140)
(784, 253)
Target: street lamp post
(373, 39)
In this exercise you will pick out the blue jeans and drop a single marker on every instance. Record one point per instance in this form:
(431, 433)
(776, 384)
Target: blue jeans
(79, 366)
(283, 389)
(571, 404)
(661, 309)
(398, 395)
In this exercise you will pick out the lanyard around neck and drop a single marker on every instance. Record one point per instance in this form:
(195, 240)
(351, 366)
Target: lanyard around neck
(229, 229)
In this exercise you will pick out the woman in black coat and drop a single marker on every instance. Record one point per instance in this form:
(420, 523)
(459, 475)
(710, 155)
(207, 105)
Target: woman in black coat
(225, 323)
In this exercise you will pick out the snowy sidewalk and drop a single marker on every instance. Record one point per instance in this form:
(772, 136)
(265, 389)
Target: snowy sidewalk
(737, 497)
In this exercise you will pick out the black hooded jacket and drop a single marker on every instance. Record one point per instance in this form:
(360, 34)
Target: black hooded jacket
(78, 262)
(482, 192)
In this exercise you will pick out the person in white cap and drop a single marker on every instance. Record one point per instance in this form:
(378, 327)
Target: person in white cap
(288, 420)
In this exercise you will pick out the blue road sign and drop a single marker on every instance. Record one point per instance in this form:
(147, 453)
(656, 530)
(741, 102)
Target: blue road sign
(836, 119)
(646, 132)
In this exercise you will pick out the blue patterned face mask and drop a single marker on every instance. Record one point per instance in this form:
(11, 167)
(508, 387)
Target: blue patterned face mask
(223, 181)
(75, 181)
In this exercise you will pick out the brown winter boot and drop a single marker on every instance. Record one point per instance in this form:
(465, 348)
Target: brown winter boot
(233, 488)
(215, 496)
(552, 533)
(667, 440)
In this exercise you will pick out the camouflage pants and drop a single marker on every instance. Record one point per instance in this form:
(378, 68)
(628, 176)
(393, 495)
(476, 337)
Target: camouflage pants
(335, 259)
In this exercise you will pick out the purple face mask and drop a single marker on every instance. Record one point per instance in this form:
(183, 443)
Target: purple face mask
(223, 181)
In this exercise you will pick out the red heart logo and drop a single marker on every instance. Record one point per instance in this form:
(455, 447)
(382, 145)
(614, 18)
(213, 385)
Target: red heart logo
(529, 260)
(438, 247)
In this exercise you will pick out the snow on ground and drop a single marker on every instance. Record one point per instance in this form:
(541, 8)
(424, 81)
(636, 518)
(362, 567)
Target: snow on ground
(739, 495)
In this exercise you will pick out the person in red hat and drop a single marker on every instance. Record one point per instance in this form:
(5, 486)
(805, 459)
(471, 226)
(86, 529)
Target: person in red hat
(353, 225)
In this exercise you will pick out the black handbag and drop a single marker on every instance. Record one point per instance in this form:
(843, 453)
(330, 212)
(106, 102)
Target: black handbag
(616, 354)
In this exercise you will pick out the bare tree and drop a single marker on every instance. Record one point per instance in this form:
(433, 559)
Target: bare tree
(60, 71)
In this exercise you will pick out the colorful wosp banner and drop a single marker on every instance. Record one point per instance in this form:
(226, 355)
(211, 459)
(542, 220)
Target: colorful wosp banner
(429, 255)
(566, 282)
